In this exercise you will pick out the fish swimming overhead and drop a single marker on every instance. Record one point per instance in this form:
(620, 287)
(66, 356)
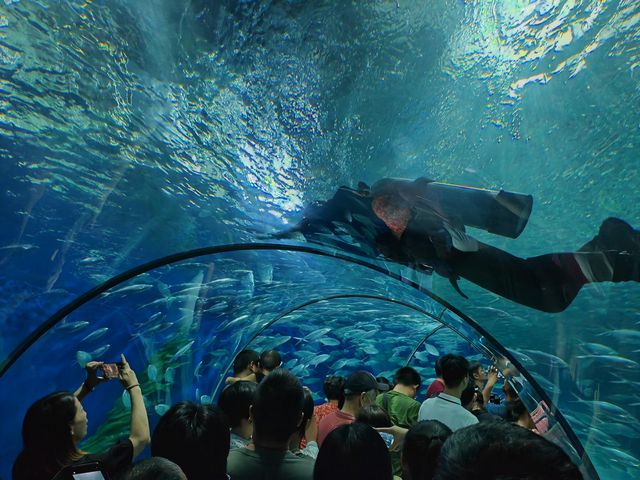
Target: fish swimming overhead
(71, 327)
(96, 334)
(182, 351)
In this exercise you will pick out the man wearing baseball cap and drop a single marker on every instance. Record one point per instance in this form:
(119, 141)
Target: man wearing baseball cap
(360, 389)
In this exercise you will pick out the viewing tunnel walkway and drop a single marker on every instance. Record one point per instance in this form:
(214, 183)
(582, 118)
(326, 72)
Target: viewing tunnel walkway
(180, 320)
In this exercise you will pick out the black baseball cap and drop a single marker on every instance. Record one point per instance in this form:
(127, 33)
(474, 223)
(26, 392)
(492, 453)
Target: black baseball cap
(362, 381)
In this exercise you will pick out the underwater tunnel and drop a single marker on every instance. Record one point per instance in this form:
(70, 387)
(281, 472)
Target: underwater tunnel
(130, 131)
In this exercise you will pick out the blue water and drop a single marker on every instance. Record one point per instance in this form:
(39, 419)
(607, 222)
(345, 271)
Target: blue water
(133, 130)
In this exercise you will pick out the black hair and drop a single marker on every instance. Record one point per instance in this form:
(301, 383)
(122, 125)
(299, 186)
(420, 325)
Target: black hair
(243, 360)
(277, 406)
(374, 415)
(421, 449)
(384, 380)
(270, 360)
(307, 410)
(154, 468)
(503, 451)
(455, 369)
(473, 368)
(196, 437)
(513, 409)
(47, 442)
(235, 401)
(333, 387)
(467, 395)
(407, 377)
(353, 451)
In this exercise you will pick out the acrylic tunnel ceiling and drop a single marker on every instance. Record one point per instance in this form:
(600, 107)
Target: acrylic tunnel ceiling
(134, 130)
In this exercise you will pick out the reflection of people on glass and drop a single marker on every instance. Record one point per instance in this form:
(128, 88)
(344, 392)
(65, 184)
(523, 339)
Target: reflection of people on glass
(421, 223)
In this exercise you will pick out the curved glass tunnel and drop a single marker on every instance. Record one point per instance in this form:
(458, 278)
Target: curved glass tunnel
(133, 130)
(181, 324)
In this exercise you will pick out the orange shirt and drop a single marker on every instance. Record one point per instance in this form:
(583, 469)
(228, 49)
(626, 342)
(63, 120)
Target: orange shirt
(321, 411)
(332, 421)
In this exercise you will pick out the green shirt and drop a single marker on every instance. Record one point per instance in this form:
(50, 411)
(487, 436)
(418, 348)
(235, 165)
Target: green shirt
(402, 409)
(265, 464)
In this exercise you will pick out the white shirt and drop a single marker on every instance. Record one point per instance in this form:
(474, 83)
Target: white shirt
(448, 410)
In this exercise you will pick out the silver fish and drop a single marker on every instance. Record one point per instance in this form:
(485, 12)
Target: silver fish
(182, 351)
(319, 359)
(141, 287)
(83, 358)
(95, 335)
(161, 408)
(316, 334)
(70, 327)
(99, 352)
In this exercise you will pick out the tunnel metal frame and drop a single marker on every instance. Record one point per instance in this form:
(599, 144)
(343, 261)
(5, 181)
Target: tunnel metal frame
(313, 250)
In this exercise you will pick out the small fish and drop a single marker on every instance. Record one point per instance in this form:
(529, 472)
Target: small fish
(161, 327)
(609, 361)
(291, 363)
(276, 342)
(182, 351)
(218, 307)
(597, 349)
(330, 342)
(140, 287)
(21, 247)
(83, 358)
(161, 408)
(163, 288)
(71, 327)
(370, 350)
(95, 335)
(431, 350)
(316, 334)
(319, 359)
(126, 400)
(169, 375)
(299, 370)
(337, 365)
(235, 321)
(221, 281)
(422, 356)
(99, 352)
(623, 335)
(92, 259)
(196, 372)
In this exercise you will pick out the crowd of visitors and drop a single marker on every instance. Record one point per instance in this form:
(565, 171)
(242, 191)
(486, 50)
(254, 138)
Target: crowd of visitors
(265, 426)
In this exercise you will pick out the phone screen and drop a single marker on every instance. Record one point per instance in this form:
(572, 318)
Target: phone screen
(88, 476)
(110, 370)
(388, 438)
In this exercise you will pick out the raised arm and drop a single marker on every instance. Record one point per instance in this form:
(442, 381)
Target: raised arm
(492, 379)
(140, 435)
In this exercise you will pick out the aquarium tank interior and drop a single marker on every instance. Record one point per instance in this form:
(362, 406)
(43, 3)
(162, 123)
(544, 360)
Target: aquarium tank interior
(159, 157)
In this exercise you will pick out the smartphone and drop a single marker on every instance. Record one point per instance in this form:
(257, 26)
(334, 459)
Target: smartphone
(388, 438)
(110, 370)
(84, 471)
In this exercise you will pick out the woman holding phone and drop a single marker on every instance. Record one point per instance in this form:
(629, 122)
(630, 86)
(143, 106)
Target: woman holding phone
(54, 426)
